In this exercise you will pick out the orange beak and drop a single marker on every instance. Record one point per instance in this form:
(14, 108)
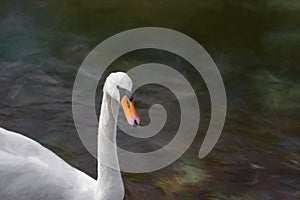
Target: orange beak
(130, 112)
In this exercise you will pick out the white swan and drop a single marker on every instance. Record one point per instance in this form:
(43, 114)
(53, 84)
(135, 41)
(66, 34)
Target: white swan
(29, 171)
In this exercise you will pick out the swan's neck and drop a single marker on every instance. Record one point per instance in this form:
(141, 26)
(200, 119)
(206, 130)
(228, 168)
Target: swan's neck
(110, 184)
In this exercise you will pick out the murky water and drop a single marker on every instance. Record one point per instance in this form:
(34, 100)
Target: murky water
(255, 45)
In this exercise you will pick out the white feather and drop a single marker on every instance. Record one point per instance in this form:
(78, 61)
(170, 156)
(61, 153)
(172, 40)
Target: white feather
(29, 171)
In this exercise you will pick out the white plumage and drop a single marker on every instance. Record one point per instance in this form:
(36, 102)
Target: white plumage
(29, 171)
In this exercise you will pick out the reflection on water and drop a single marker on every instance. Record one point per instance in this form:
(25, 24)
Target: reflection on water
(255, 45)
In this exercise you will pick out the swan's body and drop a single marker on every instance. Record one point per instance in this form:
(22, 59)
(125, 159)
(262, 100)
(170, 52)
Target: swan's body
(29, 171)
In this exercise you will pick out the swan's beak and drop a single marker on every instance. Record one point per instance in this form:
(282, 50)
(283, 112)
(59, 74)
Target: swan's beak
(130, 112)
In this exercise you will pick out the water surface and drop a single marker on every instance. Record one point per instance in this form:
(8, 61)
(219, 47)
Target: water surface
(255, 44)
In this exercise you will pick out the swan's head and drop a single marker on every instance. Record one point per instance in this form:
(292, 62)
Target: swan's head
(118, 85)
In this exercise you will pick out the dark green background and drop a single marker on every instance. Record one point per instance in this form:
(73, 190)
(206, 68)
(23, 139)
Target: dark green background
(255, 44)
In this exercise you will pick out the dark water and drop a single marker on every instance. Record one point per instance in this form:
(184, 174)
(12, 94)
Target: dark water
(255, 44)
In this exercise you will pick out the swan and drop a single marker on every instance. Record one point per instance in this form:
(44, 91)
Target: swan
(29, 171)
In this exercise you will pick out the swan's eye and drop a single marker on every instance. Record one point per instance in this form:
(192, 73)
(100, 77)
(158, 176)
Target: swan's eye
(131, 98)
